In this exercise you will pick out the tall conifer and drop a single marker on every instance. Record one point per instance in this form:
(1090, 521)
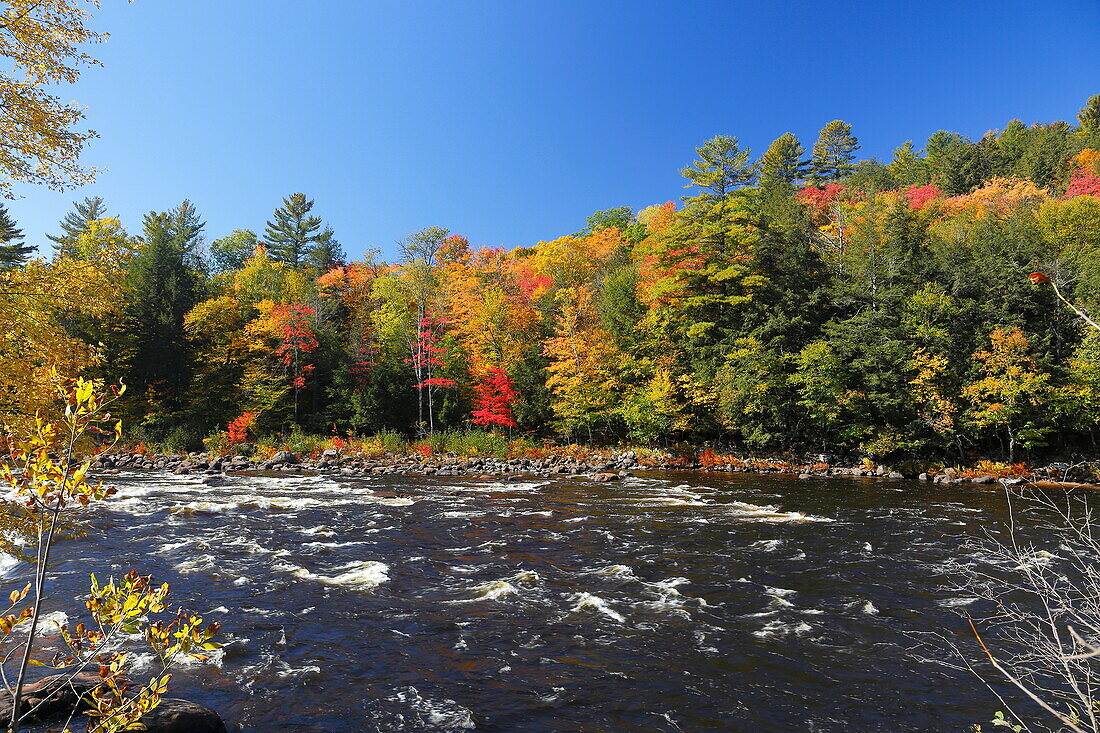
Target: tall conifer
(163, 285)
(76, 223)
(13, 251)
(294, 231)
(834, 153)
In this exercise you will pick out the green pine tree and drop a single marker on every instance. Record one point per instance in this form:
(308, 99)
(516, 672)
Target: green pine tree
(163, 284)
(834, 153)
(186, 228)
(13, 251)
(907, 167)
(76, 223)
(294, 231)
(942, 152)
(325, 253)
(722, 168)
(782, 165)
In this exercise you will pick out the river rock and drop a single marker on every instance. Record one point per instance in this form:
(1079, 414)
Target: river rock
(894, 474)
(182, 716)
(215, 480)
(982, 480)
(57, 699)
(603, 478)
(283, 456)
(922, 477)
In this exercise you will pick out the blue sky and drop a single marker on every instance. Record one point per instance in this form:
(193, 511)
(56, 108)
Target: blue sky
(510, 122)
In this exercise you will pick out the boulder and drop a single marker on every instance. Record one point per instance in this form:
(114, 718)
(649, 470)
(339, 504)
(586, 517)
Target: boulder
(283, 456)
(53, 696)
(894, 474)
(182, 716)
(603, 478)
(56, 697)
(215, 480)
(982, 480)
(922, 477)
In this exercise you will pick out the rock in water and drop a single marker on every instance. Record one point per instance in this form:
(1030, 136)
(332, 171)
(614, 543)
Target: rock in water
(56, 698)
(182, 716)
(53, 698)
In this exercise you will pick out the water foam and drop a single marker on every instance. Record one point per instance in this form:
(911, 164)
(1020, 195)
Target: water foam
(366, 575)
(769, 513)
(589, 602)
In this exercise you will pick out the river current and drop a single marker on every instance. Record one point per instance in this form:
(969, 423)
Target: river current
(664, 602)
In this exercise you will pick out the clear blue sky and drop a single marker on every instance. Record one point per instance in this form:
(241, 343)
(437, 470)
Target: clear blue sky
(511, 121)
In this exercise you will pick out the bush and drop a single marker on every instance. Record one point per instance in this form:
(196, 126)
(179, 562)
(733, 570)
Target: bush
(477, 443)
(304, 444)
(217, 443)
(391, 441)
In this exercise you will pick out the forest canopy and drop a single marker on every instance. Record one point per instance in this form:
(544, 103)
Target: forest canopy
(803, 299)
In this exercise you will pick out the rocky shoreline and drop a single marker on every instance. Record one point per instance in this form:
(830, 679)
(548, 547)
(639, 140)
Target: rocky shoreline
(610, 467)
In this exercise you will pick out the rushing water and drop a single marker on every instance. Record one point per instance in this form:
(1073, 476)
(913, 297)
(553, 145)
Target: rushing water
(670, 602)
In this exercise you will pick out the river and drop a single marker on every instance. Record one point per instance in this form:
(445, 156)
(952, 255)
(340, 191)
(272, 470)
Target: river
(665, 602)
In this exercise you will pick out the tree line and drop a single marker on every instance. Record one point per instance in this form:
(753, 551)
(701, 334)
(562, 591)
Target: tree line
(799, 301)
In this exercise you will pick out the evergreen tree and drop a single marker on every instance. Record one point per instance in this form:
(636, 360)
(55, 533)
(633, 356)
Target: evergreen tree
(185, 227)
(13, 252)
(782, 165)
(723, 167)
(942, 152)
(76, 223)
(294, 231)
(163, 285)
(907, 166)
(325, 254)
(834, 153)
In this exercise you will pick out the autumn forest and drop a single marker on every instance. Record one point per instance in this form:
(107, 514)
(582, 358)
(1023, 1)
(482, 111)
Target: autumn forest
(799, 301)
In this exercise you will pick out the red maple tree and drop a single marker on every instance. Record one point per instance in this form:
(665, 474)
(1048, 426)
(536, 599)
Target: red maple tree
(1083, 183)
(238, 427)
(495, 396)
(294, 324)
(920, 196)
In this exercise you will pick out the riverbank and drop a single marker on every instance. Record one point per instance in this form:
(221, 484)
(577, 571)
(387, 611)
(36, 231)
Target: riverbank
(598, 465)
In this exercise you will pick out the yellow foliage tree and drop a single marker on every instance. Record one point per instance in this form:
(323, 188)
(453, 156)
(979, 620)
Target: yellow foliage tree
(42, 39)
(998, 198)
(35, 304)
(585, 366)
(1012, 391)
